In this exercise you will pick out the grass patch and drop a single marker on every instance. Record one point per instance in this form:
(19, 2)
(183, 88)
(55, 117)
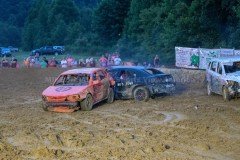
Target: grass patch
(20, 56)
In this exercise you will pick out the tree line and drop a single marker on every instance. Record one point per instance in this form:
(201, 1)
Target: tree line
(135, 28)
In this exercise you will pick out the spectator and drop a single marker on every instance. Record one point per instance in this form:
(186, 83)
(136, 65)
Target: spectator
(43, 63)
(117, 61)
(14, 63)
(88, 62)
(53, 62)
(69, 61)
(103, 61)
(45, 60)
(81, 63)
(37, 56)
(31, 61)
(156, 61)
(5, 62)
(64, 63)
(74, 63)
(26, 62)
(92, 62)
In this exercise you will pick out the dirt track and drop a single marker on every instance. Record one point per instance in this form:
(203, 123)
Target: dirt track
(187, 125)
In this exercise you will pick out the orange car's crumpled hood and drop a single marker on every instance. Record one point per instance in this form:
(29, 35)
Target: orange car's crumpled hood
(62, 91)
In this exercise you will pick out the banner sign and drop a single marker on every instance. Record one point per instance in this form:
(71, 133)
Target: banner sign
(206, 55)
(187, 57)
(199, 58)
(226, 52)
(237, 52)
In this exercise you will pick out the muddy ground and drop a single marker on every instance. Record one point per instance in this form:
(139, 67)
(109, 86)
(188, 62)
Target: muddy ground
(186, 125)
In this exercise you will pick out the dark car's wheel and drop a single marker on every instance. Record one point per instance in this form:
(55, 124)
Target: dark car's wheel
(87, 103)
(226, 95)
(110, 98)
(209, 90)
(141, 94)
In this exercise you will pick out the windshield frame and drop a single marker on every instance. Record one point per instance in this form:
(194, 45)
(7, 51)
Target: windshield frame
(65, 76)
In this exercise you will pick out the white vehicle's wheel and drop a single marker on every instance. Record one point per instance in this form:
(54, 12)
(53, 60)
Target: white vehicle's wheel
(209, 90)
(226, 95)
(45, 107)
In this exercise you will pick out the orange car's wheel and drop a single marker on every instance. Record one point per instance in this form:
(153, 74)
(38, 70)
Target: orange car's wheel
(110, 98)
(87, 103)
(44, 107)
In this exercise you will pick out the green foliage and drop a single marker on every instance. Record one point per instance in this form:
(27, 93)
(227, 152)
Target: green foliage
(136, 28)
(158, 26)
(109, 20)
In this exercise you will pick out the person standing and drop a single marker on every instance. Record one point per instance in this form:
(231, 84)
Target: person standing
(53, 62)
(103, 61)
(13, 63)
(117, 60)
(43, 63)
(156, 61)
(5, 62)
(64, 63)
(45, 60)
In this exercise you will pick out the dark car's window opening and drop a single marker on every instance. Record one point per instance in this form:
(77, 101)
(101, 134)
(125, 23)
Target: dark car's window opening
(72, 80)
(153, 71)
(232, 67)
(113, 73)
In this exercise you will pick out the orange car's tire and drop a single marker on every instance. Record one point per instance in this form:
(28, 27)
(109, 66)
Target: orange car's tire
(44, 107)
(87, 103)
(110, 98)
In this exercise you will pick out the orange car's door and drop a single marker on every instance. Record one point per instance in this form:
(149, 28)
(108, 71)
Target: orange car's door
(97, 87)
(105, 83)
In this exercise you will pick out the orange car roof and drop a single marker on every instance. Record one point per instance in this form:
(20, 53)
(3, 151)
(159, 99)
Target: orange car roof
(81, 70)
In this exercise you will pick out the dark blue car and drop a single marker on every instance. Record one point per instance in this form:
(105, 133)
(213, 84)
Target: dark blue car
(140, 83)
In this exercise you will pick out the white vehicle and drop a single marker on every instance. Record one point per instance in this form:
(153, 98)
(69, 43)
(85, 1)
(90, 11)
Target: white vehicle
(223, 77)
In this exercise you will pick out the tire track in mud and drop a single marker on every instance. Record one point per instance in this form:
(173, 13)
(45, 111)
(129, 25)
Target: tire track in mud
(168, 117)
(164, 128)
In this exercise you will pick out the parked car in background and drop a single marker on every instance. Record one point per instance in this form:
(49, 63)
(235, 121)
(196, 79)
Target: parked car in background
(140, 83)
(13, 49)
(5, 52)
(78, 89)
(223, 77)
(47, 50)
(60, 48)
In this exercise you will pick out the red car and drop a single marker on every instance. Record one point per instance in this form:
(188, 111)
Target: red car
(78, 89)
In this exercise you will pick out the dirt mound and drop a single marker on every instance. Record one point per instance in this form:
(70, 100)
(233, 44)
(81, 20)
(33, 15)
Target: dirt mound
(186, 125)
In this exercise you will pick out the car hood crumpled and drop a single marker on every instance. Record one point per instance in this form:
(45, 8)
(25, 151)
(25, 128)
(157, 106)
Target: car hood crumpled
(234, 76)
(62, 91)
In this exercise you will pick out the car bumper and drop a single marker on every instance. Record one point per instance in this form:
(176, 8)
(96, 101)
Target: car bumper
(61, 104)
(163, 88)
(234, 92)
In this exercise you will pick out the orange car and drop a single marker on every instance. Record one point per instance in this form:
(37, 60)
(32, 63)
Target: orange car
(78, 89)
